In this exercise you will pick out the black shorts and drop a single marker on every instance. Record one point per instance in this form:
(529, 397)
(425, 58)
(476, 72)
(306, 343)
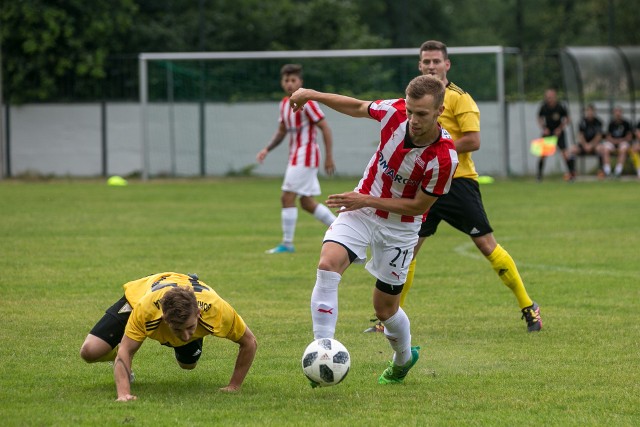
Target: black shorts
(583, 152)
(189, 354)
(111, 329)
(461, 208)
(562, 144)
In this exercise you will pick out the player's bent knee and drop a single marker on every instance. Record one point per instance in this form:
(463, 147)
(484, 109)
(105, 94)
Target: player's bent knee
(95, 349)
(386, 299)
(86, 355)
(89, 354)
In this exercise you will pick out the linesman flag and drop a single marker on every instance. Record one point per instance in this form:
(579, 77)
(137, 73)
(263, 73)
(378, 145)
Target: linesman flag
(543, 147)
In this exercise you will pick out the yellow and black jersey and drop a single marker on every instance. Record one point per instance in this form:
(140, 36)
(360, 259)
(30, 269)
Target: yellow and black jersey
(217, 317)
(461, 114)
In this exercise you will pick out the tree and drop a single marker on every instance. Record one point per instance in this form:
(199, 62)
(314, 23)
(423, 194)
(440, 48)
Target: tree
(46, 41)
(57, 49)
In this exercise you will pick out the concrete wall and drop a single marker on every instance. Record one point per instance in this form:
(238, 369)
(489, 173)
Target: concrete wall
(65, 140)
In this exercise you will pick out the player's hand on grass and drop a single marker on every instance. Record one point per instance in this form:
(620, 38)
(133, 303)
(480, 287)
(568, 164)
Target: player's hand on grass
(230, 388)
(126, 398)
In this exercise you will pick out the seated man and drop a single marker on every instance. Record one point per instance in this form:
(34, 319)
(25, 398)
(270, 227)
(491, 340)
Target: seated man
(589, 137)
(617, 142)
(175, 309)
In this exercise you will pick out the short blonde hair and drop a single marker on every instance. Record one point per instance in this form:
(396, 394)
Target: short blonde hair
(426, 85)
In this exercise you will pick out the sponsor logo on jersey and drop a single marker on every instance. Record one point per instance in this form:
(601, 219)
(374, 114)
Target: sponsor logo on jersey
(395, 176)
(204, 306)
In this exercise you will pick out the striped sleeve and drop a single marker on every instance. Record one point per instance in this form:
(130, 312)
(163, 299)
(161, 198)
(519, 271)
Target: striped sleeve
(440, 170)
(314, 112)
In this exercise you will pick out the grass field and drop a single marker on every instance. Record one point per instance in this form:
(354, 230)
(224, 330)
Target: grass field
(67, 246)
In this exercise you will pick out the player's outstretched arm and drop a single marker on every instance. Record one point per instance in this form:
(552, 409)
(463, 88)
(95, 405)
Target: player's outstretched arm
(122, 368)
(246, 353)
(343, 104)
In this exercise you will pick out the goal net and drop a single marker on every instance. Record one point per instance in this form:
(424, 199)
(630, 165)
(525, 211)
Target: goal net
(210, 113)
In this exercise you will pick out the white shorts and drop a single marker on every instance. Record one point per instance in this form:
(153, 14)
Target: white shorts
(391, 242)
(301, 180)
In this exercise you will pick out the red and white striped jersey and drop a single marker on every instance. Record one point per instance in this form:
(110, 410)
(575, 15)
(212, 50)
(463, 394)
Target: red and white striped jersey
(397, 171)
(302, 130)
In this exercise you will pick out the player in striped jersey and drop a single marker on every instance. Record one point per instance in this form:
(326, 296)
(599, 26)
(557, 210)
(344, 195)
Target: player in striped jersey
(175, 309)
(462, 207)
(301, 176)
(412, 166)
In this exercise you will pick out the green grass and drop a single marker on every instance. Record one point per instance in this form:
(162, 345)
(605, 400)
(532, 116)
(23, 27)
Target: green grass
(67, 246)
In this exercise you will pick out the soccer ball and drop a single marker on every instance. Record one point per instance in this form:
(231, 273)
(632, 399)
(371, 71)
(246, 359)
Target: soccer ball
(326, 362)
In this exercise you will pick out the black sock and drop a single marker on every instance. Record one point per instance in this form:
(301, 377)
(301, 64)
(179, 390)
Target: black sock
(540, 167)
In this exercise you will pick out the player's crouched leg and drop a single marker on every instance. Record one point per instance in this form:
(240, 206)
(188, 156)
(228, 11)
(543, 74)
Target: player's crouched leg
(95, 349)
(188, 355)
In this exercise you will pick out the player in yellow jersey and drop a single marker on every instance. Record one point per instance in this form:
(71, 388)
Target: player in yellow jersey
(462, 207)
(175, 309)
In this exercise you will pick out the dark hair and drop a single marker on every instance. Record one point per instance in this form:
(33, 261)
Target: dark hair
(435, 45)
(426, 85)
(291, 69)
(178, 305)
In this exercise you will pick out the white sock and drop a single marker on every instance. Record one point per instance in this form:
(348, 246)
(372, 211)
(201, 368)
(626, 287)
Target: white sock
(618, 169)
(324, 214)
(397, 329)
(324, 304)
(606, 169)
(289, 218)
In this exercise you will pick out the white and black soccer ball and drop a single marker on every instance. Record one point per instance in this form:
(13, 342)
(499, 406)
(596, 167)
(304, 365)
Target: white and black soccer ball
(326, 362)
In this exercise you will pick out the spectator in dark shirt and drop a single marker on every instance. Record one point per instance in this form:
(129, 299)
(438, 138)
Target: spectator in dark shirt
(590, 135)
(617, 143)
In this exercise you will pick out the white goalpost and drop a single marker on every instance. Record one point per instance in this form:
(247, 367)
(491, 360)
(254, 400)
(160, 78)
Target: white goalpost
(181, 125)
